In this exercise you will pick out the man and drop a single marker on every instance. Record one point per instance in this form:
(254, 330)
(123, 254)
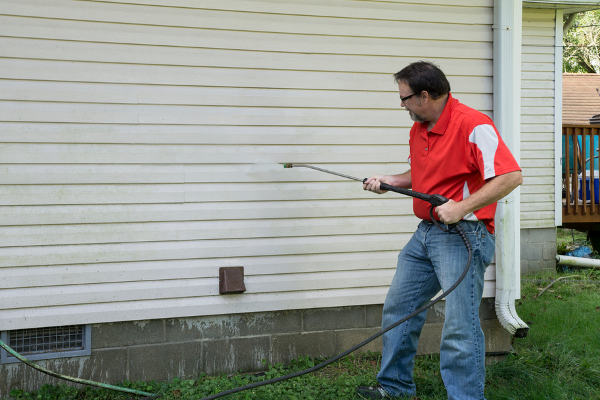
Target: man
(457, 152)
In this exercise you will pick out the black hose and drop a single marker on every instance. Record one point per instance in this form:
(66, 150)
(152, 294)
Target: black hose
(369, 339)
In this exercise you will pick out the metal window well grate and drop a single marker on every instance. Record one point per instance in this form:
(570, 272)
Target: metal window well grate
(50, 342)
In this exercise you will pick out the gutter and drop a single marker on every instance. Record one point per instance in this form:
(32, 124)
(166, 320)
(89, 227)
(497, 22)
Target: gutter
(566, 6)
(507, 113)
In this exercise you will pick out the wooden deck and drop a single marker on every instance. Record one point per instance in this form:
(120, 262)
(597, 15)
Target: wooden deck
(580, 158)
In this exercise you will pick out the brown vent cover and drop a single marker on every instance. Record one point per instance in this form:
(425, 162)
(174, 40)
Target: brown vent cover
(231, 280)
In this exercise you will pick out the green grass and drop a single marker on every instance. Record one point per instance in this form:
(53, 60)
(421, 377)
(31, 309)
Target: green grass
(570, 236)
(560, 359)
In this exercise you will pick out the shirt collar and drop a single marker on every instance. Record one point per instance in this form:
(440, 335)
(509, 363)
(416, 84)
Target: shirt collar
(444, 120)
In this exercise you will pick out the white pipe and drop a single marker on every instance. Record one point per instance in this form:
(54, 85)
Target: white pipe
(578, 261)
(507, 113)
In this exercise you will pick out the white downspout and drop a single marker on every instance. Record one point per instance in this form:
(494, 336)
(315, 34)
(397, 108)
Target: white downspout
(507, 115)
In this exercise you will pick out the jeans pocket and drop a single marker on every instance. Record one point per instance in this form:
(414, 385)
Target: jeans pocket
(488, 247)
(478, 236)
(471, 227)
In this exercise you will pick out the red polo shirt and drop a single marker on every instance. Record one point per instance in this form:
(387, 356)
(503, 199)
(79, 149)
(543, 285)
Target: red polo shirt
(456, 158)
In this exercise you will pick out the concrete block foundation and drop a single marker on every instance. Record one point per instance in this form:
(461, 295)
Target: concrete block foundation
(538, 250)
(186, 347)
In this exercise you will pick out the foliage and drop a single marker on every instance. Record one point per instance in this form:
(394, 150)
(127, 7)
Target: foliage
(582, 43)
(558, 360)
(569, 239)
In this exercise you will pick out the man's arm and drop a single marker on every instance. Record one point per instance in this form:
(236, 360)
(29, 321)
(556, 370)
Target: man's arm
(400, 180)
(493, 190)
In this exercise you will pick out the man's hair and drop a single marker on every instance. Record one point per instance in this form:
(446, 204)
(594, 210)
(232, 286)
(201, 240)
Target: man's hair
(423, 75)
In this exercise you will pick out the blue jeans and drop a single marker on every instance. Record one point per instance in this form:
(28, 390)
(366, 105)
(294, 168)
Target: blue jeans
(433, 260)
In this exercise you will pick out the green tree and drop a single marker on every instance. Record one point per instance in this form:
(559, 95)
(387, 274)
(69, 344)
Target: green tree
(581, 39)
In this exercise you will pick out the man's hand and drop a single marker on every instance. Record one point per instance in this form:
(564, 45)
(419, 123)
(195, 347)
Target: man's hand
(493, 190)
(450, 212)
(400, 180)
(373, 183)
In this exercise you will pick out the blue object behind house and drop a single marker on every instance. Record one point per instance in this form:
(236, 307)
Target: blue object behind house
(588, 153)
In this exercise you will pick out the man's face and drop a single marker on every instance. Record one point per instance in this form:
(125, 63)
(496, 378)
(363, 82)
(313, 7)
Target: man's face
(411, 101)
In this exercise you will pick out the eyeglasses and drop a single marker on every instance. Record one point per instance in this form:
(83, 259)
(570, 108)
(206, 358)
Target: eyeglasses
(403, 99)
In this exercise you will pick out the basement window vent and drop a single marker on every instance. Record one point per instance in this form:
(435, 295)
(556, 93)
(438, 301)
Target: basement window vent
(46, 343)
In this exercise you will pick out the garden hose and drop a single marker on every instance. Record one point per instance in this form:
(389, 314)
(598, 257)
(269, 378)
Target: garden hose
(364, 342)
(435, 201)
(24, 360)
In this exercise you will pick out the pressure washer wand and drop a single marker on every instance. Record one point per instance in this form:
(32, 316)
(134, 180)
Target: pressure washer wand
(434, 199)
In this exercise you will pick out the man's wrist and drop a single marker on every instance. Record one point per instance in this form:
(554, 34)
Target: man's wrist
(396, 180)
(463, 208)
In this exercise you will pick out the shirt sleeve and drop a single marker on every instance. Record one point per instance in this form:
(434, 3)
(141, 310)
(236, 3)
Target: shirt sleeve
(491, 154)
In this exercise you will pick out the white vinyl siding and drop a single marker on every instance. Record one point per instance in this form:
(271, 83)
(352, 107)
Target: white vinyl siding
(140, 145)
(537, 118)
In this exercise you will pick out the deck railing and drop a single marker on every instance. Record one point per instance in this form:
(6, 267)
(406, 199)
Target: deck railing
(580, 173)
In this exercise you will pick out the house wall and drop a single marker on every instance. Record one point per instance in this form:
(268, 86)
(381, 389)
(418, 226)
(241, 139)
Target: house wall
(538, 234)
(537, 119)
(139, 144)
